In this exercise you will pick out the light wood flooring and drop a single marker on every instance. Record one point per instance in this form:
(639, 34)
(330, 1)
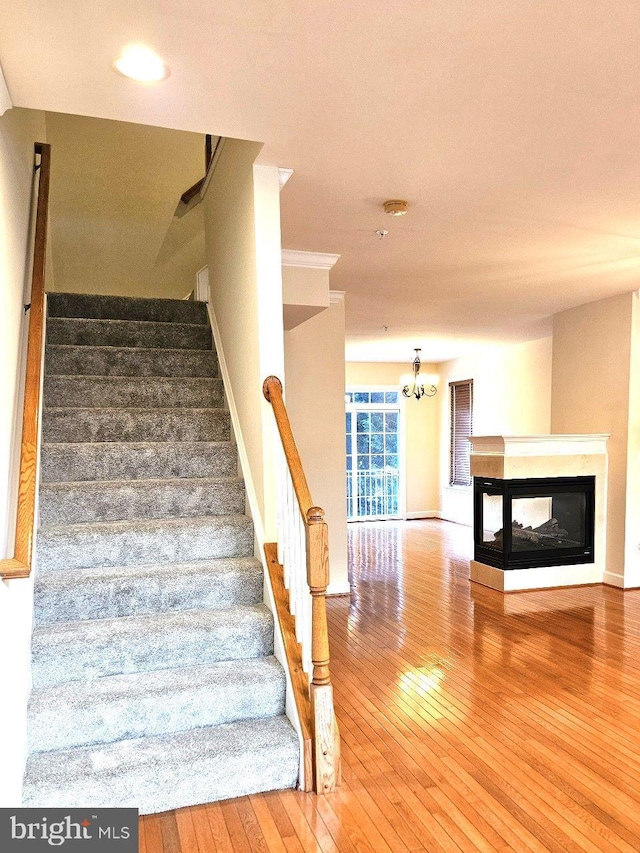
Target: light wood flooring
(470, 721)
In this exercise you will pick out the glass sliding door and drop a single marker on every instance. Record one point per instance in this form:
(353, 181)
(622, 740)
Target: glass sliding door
(374, 488)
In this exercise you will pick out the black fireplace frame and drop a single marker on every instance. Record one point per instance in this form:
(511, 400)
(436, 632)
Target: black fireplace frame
(533, 487)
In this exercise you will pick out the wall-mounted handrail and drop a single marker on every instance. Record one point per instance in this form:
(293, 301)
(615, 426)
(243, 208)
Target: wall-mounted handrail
(19, 566)
(307, 574)
(209, 151)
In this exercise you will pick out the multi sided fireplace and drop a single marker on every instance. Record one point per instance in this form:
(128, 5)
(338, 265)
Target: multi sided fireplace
(525, 524)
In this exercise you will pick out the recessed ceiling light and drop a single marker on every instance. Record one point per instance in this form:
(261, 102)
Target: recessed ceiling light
(142, 64)
(395, 207)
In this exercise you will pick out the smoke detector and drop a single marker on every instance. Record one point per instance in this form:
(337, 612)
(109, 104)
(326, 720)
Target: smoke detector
(395, 207)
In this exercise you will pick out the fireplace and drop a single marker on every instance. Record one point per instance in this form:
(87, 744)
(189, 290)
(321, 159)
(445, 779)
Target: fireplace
(556, 485)
(534, 522)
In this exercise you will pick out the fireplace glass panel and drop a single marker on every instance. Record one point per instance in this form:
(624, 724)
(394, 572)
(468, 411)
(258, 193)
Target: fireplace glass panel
(491, 519)
(535, 524)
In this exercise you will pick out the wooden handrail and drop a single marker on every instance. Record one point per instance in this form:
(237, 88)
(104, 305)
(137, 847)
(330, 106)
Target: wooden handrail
(19, 566)
(208, 151)
(326, 739)
(272, 390)
(193, 191)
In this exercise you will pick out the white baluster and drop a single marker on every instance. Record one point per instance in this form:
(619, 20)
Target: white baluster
(281, 466)
(292, 553)
(291, 558)
(300, 574)
(284, 527)
(293, 545)
(289, 569)
(295, 557)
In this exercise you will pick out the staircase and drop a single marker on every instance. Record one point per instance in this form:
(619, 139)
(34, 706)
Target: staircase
(154, 681)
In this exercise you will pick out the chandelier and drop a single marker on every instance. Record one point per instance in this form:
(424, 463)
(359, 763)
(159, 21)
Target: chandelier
(416, 385)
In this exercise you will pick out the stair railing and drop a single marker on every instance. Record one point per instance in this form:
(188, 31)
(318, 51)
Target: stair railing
(19, 566)
(209, 153)
(303, 552)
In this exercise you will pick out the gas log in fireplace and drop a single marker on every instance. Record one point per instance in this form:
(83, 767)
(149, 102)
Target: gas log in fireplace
(524, 524)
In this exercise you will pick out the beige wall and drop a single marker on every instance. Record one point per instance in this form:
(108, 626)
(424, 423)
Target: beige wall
(114, 190)
(242, 233)
(511, 396)
(592, 379)
(19, 129)
(266, 212)
(314, 371)
(305, 292)
(421, 431)
(632, 527)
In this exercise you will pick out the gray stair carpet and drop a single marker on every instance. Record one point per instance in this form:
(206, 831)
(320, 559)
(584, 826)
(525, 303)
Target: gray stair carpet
(154, 680)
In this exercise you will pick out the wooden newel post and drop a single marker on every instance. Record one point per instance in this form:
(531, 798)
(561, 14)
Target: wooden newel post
(325, 726)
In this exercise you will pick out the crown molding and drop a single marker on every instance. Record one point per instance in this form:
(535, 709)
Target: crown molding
(336, 296)
(312, 260)
(5, 98)
(285, 174)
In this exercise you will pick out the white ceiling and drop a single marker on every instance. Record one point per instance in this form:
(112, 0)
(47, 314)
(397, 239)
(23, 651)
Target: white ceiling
(512, 128)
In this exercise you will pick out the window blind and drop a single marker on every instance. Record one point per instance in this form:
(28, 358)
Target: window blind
(461, 395)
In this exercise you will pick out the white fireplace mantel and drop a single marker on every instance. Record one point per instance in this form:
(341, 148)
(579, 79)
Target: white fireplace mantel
(539, 445)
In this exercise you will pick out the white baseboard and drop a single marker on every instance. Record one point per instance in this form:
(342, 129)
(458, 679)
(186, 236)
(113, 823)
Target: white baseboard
(258, 526)
(252, 496)
(614, 579)
(423, 513)
(339, 589)
(443, 517)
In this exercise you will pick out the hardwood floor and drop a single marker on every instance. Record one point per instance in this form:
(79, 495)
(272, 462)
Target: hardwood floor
(470, 721)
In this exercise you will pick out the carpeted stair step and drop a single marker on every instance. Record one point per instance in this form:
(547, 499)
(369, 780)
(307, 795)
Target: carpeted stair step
(129, 392)
(160, 773)
(72, 462)
(125, 543)
(107, 593)
(120, 500)
(154, 681)
(71, 425)
(128, 361)
(95, 307)
(127, 333)
(80, 713)
(93, 648)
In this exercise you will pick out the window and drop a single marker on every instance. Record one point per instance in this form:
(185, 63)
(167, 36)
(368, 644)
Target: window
(461, 394)
(373, 397)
